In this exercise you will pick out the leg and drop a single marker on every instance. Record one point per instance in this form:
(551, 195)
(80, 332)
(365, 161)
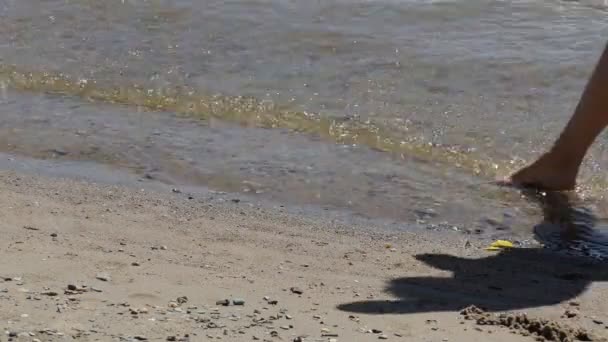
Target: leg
(558, 168)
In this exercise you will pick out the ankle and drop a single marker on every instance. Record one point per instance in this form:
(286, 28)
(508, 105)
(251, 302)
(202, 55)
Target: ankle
(564, 159)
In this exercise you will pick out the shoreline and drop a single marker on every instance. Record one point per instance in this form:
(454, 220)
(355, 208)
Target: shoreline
(62, 237)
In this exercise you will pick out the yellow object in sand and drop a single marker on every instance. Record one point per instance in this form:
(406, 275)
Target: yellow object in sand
(499, 244)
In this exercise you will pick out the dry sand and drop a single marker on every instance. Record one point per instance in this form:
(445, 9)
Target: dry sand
(88, 262)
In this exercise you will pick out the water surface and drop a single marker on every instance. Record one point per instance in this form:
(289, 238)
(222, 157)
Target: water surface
(399, 110)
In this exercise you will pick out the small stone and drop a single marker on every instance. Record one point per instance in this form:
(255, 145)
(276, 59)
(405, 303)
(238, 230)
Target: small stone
(297, 339)
(164, 248)
(72, 287)
(597, 321)
(273, 302)
(570, 313)
(96, 289)
(171, 338)
(140, 338)
(285, 327)
(296, 290)
(383, 337)
(50, 293)
(103, 276)
(238, 301)
(135, 263)
(325, 330)
(223, 302)
(182, 300)
(376, 331)
(287, 316)
(53, 234)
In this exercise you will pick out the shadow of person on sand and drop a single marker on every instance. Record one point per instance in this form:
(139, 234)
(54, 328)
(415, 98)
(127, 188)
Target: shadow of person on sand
(512, 279)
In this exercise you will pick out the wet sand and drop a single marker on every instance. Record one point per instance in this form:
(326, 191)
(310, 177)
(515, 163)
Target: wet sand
(87, 262)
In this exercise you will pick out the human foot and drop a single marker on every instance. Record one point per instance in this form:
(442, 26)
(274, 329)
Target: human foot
(549, 172)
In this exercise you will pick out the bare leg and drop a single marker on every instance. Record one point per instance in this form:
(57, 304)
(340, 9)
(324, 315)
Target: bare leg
(558, 168)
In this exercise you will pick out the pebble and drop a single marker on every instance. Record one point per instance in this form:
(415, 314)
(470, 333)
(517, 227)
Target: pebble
(297, 290)
(238, 301)
(135, 263)
(140, 338)
(103, 276)
(383, 337)
(376, 331)
(223, 302)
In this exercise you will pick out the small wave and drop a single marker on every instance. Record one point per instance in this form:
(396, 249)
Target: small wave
(251, 112)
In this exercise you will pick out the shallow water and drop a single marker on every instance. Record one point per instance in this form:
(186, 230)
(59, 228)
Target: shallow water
(399, 110)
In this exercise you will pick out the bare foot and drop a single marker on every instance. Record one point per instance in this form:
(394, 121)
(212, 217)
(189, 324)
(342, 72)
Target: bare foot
(549, 172)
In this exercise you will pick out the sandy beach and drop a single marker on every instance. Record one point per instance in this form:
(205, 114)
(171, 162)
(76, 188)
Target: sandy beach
(91, 262)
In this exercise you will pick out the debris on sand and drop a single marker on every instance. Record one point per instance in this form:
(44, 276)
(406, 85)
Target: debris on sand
(524, 325)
